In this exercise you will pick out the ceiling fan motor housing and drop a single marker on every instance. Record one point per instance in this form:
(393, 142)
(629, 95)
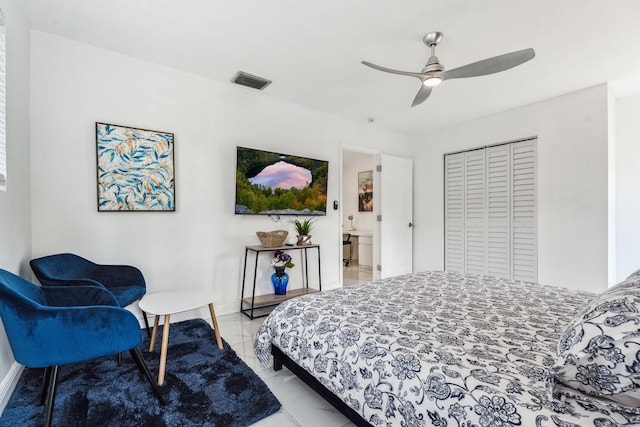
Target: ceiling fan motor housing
(433, 65)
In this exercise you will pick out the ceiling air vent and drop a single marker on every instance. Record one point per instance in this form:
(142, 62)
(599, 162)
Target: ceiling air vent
(249, 80)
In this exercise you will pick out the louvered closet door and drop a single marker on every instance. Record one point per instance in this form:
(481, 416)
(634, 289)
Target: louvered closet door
(454, 212)
(490, 211)
(525, 260)
(499, 211)
(475, 212)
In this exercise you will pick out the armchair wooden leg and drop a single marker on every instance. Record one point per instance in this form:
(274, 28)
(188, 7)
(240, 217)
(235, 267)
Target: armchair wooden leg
(51, 394)
(137, 356)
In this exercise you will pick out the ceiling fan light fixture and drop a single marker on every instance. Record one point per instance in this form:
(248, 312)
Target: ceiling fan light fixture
(434, 72)
(432, 81)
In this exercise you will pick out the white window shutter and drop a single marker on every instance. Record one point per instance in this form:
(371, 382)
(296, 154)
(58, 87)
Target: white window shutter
(525, 260)
(475, 212)
(3, 106)
(454, 212)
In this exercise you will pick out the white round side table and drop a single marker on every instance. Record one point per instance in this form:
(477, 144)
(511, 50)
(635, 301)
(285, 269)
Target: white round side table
(168, 303)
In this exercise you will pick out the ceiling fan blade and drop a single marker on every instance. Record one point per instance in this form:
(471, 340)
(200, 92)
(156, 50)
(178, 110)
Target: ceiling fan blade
(490, 65)
(389, 70)
(422, 94)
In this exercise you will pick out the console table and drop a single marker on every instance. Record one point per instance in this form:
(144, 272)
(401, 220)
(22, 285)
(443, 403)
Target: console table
(248, 305)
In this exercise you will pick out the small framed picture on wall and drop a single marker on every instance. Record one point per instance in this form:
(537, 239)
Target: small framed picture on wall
(365, 191)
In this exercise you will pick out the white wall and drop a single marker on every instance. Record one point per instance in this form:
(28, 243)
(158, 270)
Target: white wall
(202, 243)
(356, 162)
(15, 203)
(571, 182)
(611, 188)
(627, 185)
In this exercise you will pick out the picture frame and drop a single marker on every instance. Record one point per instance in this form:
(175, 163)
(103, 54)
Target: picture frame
(365, 191)
(135, 169)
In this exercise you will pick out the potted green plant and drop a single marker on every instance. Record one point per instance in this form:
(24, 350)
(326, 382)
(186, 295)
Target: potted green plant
(303, 228)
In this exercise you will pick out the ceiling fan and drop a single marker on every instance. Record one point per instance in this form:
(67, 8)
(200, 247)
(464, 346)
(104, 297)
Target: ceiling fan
(434, 73)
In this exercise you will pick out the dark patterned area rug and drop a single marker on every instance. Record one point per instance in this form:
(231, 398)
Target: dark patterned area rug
(204, 386)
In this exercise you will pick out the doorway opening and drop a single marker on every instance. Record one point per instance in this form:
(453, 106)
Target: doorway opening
(358, 215)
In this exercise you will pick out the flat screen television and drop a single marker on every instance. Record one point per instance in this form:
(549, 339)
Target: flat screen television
(269, 183)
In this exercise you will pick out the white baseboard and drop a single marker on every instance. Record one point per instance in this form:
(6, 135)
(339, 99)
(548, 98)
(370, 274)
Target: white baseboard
(228, 308)
(9, 383)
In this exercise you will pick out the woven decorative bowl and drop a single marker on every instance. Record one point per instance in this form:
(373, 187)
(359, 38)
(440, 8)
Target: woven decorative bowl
(272, 239)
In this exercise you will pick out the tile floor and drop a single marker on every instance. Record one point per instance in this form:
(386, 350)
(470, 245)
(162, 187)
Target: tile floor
(301, 406)
(354, 275)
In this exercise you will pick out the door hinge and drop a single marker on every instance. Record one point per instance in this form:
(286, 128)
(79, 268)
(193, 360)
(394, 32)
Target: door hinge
(378, 267)
(379, 218)
(379, 168)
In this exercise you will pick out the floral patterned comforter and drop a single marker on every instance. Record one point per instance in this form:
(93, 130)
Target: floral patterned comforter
(438, 349)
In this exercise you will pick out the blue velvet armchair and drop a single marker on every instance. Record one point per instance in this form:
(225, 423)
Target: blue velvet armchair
(125, 282)
(50, 326)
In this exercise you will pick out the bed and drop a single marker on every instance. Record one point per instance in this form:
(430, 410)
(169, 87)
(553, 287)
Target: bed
(453, 349)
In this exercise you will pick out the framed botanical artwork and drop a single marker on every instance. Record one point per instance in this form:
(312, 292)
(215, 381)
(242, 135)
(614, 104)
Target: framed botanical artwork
(135, 169)
(365, 191)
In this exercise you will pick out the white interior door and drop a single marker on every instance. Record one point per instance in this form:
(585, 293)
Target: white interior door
(394, 240)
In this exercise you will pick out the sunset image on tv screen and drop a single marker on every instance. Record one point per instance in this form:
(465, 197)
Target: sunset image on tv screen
(269, 183)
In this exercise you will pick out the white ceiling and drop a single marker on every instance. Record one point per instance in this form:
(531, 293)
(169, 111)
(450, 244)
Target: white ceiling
(312, 49)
